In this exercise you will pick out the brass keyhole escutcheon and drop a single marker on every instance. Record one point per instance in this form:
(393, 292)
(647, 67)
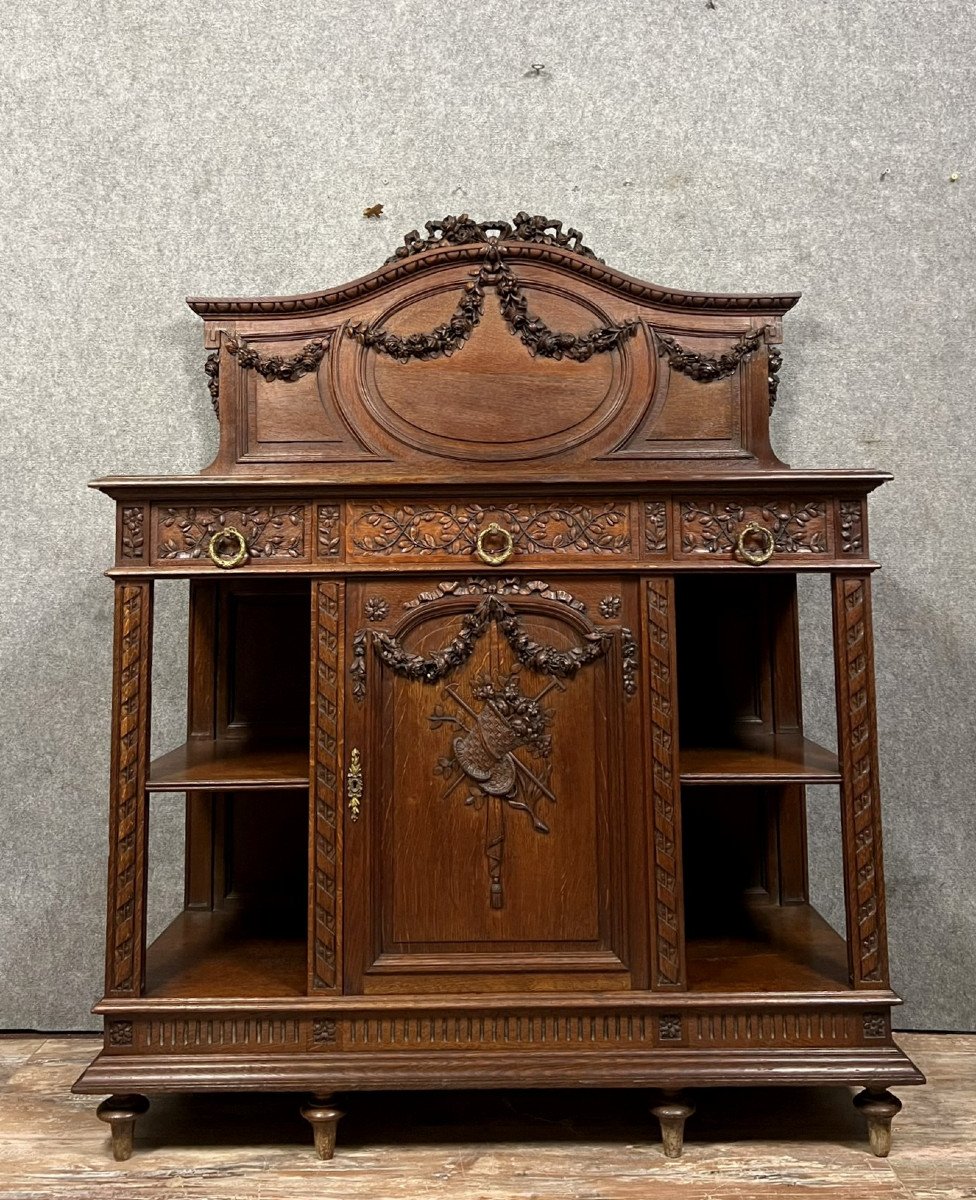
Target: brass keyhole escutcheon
(756, 555)
(354, 785)
(230, 534)
(494, 545)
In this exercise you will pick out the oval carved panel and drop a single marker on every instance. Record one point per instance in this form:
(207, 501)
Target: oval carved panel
(492, 400)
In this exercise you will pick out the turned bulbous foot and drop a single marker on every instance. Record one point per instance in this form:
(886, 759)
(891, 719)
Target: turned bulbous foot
(672, 1112)
(879, 1107)
(323, 1118)
(119, 1113)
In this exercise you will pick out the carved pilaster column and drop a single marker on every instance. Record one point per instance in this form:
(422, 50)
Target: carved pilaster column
(128, 825)
(860, 800)
(326, 817)
(667, 964)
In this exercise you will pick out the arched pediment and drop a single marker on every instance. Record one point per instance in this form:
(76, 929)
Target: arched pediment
(492, 343)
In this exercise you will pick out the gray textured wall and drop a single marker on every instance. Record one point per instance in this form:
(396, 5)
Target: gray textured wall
(157, 150)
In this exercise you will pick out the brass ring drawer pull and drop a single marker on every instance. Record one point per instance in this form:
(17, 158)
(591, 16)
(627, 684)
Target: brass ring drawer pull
(755, 555)
(227, 560)
(493, 534)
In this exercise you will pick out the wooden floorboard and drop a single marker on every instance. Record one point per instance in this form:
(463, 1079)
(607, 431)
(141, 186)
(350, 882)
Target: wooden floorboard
(752, 1144)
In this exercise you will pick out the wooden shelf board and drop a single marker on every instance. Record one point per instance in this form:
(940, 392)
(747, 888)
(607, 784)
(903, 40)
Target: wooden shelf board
(771, 948)
(229, 764)
(213, 954)
(760, 758)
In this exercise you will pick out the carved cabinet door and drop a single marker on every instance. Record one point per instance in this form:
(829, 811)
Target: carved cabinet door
(493, 786)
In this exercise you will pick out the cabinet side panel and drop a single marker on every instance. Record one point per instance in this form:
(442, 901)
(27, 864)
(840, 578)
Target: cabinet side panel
(325, 851)
(860, 799)
(664, 851)
(128, 818)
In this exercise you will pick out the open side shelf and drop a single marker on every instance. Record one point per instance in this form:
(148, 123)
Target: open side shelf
(769, 946)
(227, 954)
(230, 764)
(760, 758)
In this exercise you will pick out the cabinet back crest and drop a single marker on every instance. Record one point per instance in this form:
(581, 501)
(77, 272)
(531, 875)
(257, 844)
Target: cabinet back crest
(492, 346)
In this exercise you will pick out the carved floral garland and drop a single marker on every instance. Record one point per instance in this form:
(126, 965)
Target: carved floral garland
(274, 366)
(534, 333)
(543, 659)
(703, 367)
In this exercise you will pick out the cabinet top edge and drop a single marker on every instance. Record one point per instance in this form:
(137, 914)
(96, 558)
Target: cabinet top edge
(131, 486)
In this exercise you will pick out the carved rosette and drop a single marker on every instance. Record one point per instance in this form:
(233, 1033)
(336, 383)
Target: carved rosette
(875, 1025)
(324, 1031)
(269, 531)
(666, 850)
(118, 1033)
(860, 799)
(669, 1027)
(127, 831)
(328, 827)
(712, 526)
(545, 528)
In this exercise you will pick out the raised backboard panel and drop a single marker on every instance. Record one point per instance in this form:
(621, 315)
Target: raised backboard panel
(494, 346)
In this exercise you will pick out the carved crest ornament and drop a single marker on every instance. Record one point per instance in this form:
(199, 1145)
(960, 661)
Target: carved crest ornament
(494, 273)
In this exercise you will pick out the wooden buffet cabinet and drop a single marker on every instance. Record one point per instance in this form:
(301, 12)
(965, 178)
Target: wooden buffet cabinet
(495, 770)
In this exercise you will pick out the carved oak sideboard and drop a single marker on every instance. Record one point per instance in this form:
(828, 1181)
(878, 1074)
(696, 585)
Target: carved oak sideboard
(495, 771)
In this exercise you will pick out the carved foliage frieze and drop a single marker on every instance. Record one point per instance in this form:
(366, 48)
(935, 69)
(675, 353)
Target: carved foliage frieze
(269, 531)
(713, 526)
(329, 540)
(851, 527)
(600, 527)
(666, 817)
(655, 527)
(133, 539)
(327, 833)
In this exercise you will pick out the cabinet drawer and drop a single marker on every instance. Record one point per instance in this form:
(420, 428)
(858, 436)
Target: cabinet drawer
(754, 530)
(241, 536)
(493, 533)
